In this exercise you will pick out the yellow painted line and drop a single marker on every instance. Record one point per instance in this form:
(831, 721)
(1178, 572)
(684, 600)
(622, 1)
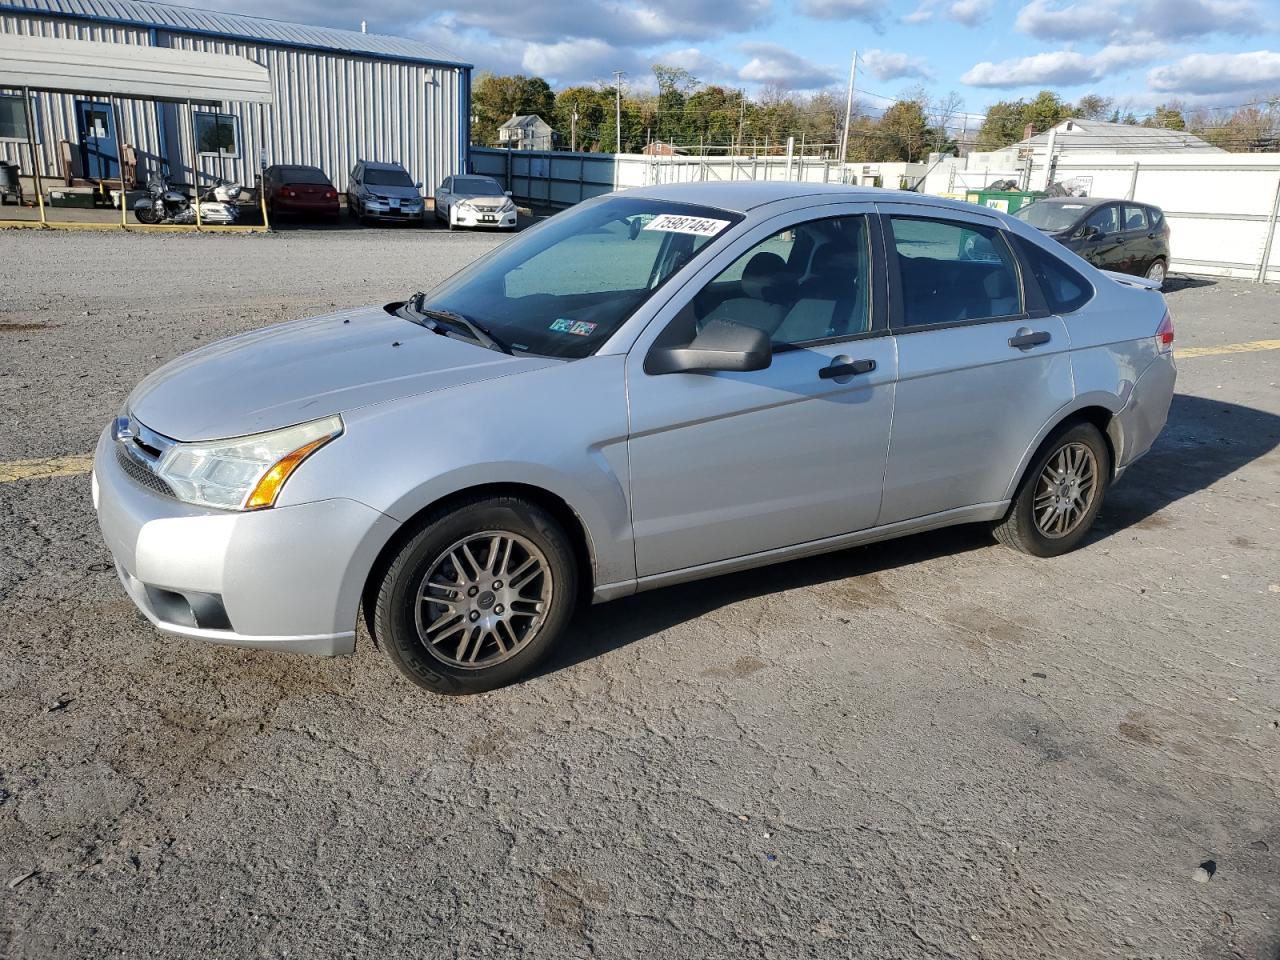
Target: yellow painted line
(132, 227)
(44, 468)
(1250, 347)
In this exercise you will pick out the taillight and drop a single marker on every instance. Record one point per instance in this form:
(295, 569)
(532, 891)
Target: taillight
(331, 194)
(289, 193)
(1164, 334)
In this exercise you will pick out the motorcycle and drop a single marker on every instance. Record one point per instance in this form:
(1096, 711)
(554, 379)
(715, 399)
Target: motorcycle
(164, 204)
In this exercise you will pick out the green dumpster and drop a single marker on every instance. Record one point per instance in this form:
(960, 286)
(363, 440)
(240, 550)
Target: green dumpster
(1006, 201)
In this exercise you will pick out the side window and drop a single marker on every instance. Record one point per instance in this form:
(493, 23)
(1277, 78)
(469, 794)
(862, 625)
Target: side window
(1064, 290)
(1135, 217)
(953, 272)
(1156, 216)
(447, 186)
(1106, 219)
(808, 282)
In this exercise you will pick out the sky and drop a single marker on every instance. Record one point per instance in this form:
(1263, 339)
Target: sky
(1139, 52)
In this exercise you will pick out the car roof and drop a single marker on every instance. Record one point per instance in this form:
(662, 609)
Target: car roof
(379, 165)
(745, 195)
(1095, 201)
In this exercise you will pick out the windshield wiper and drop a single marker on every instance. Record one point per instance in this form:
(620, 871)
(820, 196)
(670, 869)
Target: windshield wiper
(474, 330)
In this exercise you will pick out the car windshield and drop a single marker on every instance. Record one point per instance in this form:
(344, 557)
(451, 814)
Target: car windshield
(1052, 217)
(302, 175)
(476, 187)
(563, 288)
(386, 178)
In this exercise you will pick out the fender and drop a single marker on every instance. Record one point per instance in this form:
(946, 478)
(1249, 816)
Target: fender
(1093, 399)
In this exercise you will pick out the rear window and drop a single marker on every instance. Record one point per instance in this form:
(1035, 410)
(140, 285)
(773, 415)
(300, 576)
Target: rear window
(1156, 216)
(303, 175)
(1064, 290)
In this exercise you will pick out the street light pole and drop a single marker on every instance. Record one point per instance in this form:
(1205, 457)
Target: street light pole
(617, 116)
(848, 109)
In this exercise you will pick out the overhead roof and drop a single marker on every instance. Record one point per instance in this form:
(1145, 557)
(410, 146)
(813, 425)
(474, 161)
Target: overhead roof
(1076, 135)
(165, 16)
(130, 70)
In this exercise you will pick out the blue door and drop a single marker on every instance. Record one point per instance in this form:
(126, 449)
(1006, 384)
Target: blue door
(98, 153)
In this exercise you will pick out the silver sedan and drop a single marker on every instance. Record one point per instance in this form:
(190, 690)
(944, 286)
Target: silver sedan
(651, 387)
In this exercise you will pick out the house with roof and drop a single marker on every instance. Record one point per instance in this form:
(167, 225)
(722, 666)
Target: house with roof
(1077, 136)
(338, 96)
(526, 132)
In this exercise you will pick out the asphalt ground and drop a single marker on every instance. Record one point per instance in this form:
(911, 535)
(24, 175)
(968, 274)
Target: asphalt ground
(928, 748)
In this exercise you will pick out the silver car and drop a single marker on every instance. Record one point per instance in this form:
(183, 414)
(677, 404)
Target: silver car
(474, 201)
(652, 387)
(383, 191)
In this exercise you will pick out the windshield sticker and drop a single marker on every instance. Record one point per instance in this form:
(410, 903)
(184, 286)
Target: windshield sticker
(698, 226)
(578, 328)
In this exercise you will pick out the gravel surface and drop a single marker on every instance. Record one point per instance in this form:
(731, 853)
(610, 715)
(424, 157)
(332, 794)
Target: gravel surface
(927, 748)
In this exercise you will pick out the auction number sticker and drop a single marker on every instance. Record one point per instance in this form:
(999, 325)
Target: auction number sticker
(675, 223)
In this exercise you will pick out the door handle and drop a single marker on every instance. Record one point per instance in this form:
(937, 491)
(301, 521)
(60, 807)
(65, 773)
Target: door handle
(1025, 339)
(842, 368)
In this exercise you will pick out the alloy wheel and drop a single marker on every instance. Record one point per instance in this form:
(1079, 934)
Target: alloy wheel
(484, 599)
(1065, 490)
(1156, 271)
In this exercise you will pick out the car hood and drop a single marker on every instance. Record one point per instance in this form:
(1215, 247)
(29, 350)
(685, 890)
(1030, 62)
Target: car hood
(299, 371)
(398, 193)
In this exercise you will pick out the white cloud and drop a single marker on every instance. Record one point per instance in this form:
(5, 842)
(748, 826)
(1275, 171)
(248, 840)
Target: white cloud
(888, 65)
(774, 64)
(970, 12)
(706, 68)
(1061, 67)
(921, 14)
(1137, 19)
(1217, 73)
(868, 11)
(577, 61)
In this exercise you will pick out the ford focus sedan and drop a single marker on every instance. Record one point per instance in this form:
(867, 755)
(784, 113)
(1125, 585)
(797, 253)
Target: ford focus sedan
(652, 387)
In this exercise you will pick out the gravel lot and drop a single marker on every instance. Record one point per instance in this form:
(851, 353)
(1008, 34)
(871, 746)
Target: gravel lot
(928, 748)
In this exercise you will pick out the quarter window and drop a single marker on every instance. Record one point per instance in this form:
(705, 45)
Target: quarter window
(806, 283)
(952, 272)
(217, 134)
(1064, 290)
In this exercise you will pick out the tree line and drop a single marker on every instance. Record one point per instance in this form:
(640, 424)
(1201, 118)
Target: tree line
(712, 118)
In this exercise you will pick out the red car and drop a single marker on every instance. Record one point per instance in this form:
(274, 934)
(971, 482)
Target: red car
(298, 190)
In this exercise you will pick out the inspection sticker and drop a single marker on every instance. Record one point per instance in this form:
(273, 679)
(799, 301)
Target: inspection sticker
(698, 226)
(578, 328)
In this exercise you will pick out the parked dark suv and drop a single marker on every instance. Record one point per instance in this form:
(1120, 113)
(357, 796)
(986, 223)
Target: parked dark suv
(1118, 235)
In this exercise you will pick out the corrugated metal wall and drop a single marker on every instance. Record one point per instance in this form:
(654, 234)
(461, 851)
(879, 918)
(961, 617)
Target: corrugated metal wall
(329, 111)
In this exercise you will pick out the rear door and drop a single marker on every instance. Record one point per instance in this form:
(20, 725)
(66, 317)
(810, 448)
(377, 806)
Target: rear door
(1138, 239)
(982, 366)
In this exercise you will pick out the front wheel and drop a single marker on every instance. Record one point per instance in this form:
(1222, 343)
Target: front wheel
(146, 215)
(1060, 495)
(478, 596)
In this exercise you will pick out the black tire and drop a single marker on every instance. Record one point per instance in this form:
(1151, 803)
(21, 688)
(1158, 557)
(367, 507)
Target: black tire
(396, 608)
(1019, 530)
(146, 215)
(1164, 268)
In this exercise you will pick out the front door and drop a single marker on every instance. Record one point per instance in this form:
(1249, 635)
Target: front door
(1103, 242)
(978, 374)
(725, 465)
(98, 154)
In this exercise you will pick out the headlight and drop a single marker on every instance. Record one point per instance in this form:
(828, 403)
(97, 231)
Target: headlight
(509, 206)
(243, 473)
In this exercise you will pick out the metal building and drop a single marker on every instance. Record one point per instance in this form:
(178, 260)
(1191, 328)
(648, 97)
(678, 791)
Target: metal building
(339, 96)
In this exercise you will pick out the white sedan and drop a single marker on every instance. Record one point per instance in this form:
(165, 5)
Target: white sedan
(472, 201)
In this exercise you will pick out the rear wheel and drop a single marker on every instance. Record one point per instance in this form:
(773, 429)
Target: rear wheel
(1060, 495)
(1157, 272)
(478, 596)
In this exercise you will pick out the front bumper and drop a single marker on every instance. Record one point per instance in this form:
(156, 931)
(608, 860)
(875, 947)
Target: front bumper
(477, 218)
(287, 578)
(382, 210)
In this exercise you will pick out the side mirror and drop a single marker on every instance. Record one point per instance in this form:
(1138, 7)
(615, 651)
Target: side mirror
(417, 185)
(507, 192)
(721, 345)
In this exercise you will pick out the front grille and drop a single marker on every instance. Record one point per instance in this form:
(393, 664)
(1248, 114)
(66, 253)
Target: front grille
(141, 474)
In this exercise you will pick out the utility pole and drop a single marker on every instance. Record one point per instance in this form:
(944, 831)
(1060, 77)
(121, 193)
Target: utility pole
(617, 116)
(573, 131)
(742, 116)
(848, 108)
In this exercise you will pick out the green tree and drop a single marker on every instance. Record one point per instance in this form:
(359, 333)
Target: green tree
(1167, 117)
(674, 86)
(495, 99)
(711, 115)
(1045, 111)
(1002, 125)
(595, 110)
(1093, 106)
